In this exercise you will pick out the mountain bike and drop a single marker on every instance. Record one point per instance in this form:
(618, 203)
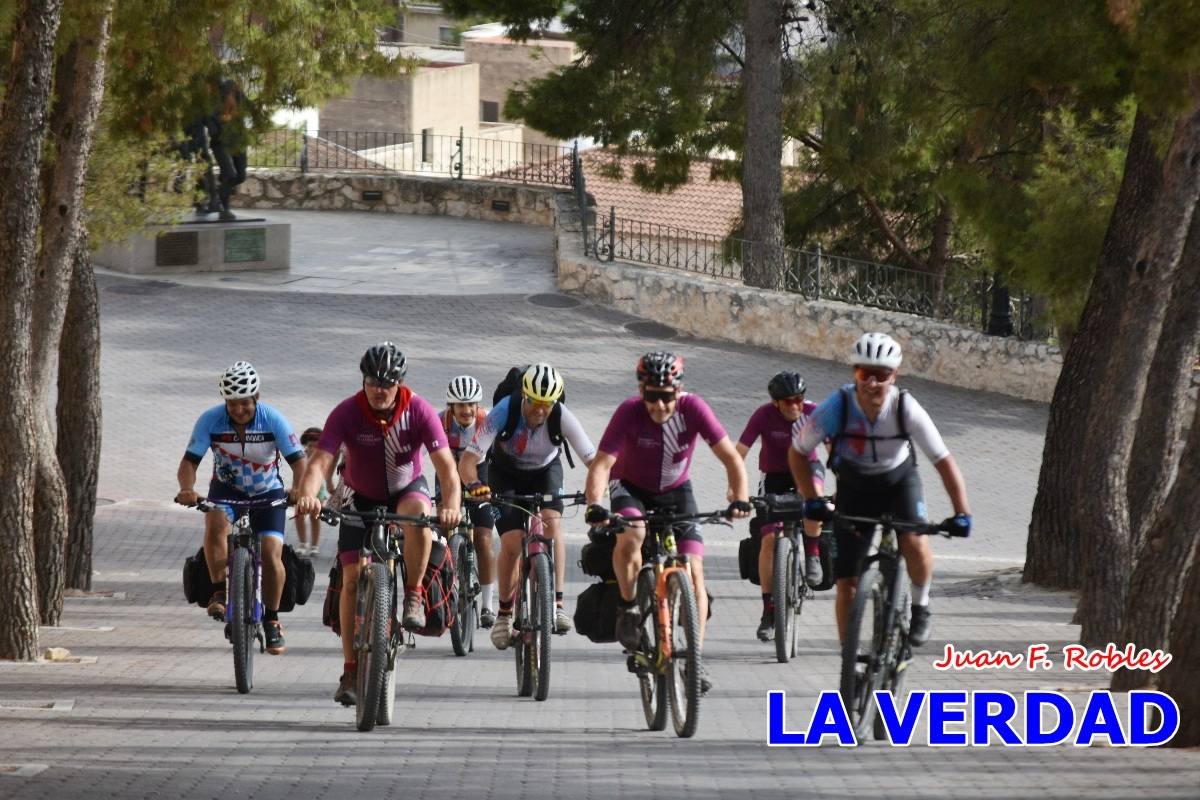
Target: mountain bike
(243, 586)
(876, 650)
(378, 635)
(667, 660)
(790, 589)
(533, 603)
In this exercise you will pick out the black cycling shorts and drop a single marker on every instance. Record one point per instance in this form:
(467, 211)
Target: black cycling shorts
(547, 480)
(897, 492)
(625, 497)
(352, 533)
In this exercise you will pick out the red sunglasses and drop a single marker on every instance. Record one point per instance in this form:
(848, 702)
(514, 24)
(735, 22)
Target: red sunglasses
(880, 374)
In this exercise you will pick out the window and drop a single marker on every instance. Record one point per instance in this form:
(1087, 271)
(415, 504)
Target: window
(447, 35)
(489, 111)
(427, 145)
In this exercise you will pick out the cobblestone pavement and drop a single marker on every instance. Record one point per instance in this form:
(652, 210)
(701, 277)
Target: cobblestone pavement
(156, 713)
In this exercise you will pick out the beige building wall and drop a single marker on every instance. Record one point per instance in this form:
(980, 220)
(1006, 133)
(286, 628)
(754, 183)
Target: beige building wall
(374, 104)
(423, 24)
(505, 65)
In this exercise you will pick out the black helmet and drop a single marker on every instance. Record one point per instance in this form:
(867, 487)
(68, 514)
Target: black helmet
(660, 369)
(786, 384)
(384, 362)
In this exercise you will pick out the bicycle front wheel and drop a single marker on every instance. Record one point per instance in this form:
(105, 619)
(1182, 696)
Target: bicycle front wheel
(371, 642)
(541, 606)
(241, 617)
(653, 684)
(522, 650)
(462, 632)
(863, 651)
(785, 595)
(683, 678)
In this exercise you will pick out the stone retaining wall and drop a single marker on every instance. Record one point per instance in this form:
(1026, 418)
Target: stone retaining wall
(713, 308)
(399, 194)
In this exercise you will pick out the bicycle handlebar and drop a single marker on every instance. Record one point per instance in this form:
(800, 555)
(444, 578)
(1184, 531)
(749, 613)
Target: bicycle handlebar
(333, 516)
(899, 525)
(206, 504)
(538, 501)
(616, 523)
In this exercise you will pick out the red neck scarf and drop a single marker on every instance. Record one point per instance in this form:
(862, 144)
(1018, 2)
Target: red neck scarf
(403, 397)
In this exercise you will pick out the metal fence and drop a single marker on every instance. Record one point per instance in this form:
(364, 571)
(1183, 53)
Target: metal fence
(970, 298)
(424, 153)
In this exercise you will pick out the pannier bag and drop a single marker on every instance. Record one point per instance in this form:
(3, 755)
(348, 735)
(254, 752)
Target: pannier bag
(441, 591)
(197, 586)
(331, 610)
(299, 578)
(748, 559)
(596, 611)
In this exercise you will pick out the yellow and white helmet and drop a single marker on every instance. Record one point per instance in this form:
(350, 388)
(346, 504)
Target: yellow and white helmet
(542, 383)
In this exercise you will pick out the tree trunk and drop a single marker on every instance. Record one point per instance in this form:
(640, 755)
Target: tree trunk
(1108, 445)
(1179, 678)
(79, 415)
(1053, 555)
(22, 129)
(80, 89)
(764, 262)
(1156, 584)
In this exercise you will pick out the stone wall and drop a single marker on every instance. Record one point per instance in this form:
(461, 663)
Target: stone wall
(400, 194)
(713, 308)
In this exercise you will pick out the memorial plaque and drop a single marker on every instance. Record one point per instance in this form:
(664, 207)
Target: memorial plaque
(245, 244)
(177, 249)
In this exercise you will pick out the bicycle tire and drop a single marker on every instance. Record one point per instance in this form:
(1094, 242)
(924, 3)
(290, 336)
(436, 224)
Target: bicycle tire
(542, 606)
(461, 632)
(375, 595)
(387, 698)
(783, 596)
(521, 649)
(862, 660)
(241, 617)
(684, 674)
(652, 685)
(894, 667)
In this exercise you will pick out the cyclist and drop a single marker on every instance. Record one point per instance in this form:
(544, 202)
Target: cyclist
(246, 438)
(647, 450)
(460, 420)
(304, 525)
(773, 421)
(383, 428)
(527, 462)
(871, 426)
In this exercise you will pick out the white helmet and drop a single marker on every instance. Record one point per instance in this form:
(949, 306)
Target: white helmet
(239, 381)
(876, 350)
(464, 389)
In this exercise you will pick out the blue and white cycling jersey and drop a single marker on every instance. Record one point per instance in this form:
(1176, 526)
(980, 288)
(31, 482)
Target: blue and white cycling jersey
(248, 463)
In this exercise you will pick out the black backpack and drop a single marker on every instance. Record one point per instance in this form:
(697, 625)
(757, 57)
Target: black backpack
(299, 578)
(510, 387)
(197, 585)
(832, 464)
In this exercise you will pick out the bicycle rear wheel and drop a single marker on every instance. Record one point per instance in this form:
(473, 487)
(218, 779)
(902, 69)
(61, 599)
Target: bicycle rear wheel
(541, 606)
(387, 698)
(241, 617)
(371, 641)
(462, 632)
(784, 595)
(863, 651)
(684, 674)
(653, 685)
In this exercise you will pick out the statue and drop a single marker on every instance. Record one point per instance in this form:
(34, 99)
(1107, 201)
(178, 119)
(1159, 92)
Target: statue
(219, 139)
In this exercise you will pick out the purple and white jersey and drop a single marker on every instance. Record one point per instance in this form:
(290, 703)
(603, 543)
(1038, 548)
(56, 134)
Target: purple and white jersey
(383, 456)
(654, 457)
(776, 433)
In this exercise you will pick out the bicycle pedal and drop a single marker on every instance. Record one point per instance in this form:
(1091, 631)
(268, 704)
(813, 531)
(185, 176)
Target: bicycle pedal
(632, 665)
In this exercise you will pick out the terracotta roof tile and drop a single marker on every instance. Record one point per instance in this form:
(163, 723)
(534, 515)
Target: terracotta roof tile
(703, 204)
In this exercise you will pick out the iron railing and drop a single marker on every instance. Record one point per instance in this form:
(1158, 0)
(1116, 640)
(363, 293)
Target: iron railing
(456, 156)
(961, 296)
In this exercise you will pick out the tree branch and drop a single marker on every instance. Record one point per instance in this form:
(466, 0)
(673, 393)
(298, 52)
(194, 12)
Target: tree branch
(888, 233)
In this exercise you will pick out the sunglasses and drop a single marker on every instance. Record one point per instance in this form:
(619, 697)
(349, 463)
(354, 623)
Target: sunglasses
(652, 396)
(538, 403)
(798, 400)
(880, 374)
(375, 383)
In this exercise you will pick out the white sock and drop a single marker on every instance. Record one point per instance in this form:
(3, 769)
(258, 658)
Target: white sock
(487, 595)
(920, 594)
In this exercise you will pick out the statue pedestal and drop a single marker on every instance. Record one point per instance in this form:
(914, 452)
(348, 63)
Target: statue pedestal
(201, 246)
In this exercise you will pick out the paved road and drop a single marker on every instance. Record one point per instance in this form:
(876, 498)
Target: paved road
(156, 713)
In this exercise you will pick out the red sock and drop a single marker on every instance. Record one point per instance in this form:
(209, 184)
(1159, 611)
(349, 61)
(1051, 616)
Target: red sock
(350, 667)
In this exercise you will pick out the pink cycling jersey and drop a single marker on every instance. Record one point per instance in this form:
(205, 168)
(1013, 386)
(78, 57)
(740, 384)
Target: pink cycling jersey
(656, 457)
(384, 455)
(776, 433)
